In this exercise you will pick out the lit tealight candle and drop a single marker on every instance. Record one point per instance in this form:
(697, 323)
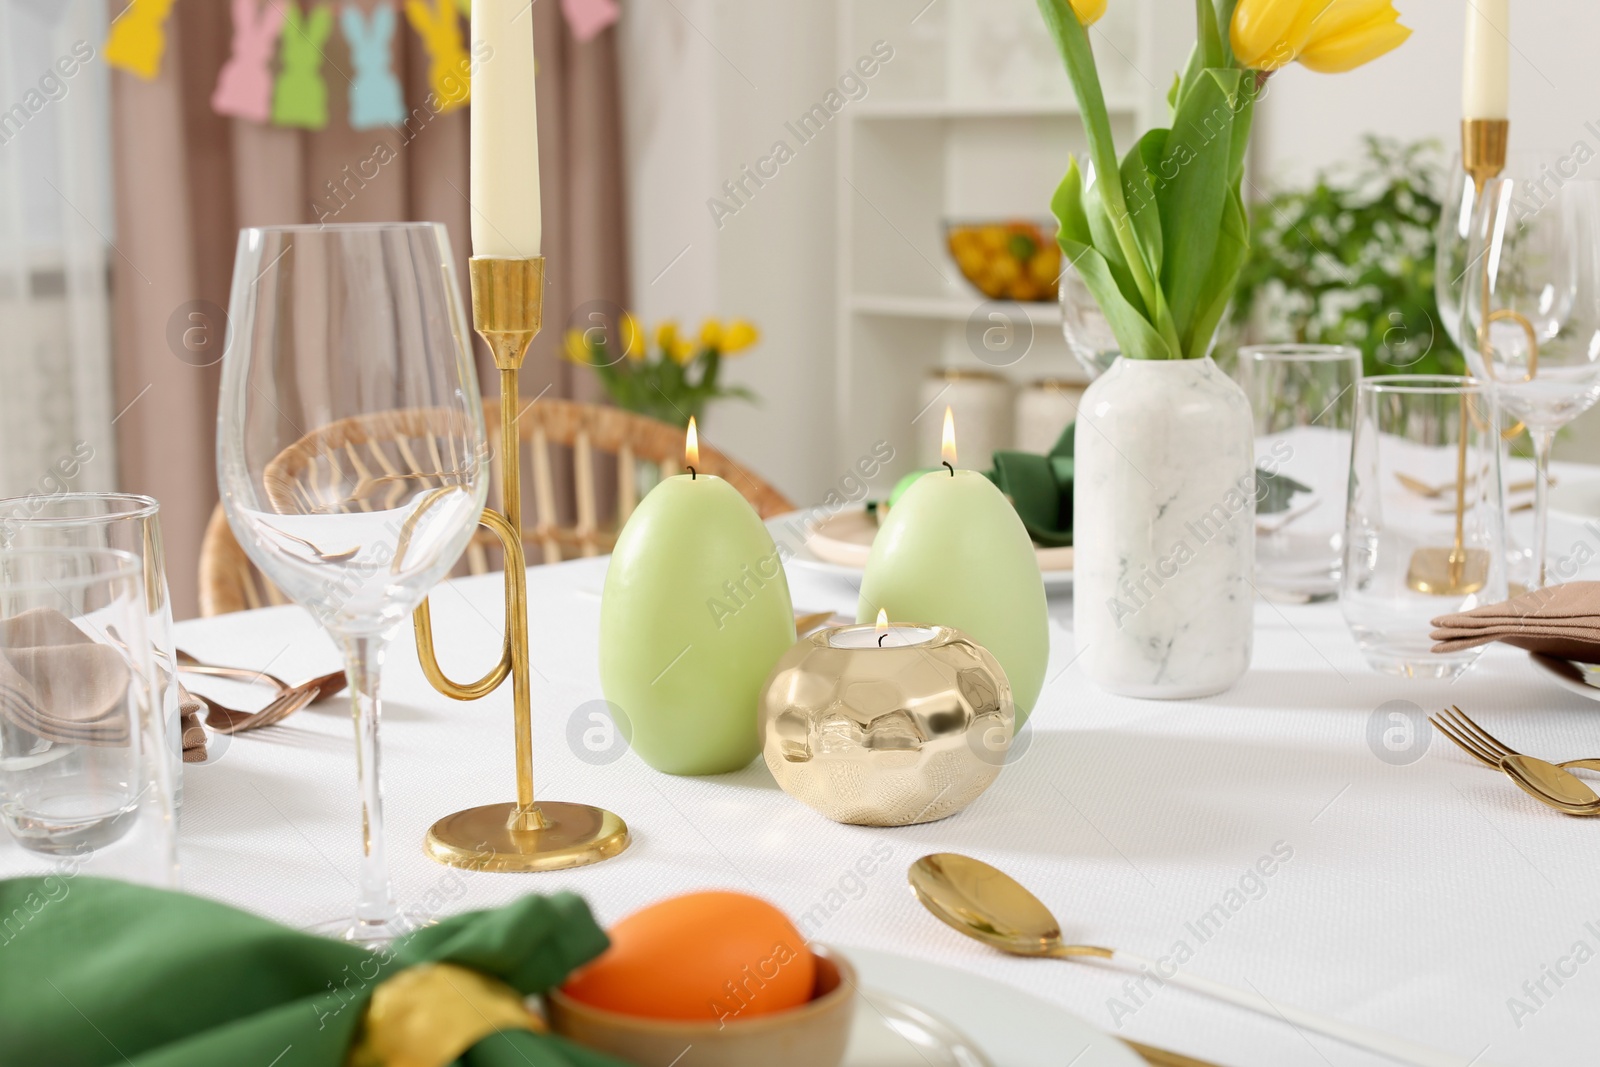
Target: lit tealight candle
(954, 553)
(881, 635)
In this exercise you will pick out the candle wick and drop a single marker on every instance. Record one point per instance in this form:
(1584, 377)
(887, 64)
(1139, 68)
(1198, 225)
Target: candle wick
(952, 469)
(880, 639)
(692, 474)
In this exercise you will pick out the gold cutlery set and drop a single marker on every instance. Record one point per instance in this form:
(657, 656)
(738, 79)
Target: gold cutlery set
(1551, 784)
(288, 699)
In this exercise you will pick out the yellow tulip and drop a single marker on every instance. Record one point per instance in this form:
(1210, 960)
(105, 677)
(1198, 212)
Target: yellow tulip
(682, 350)
(1329, 36)
(711, 334)
(666, 336)
(577, 349)
(738, 336)
(632, 337)
(1088, 11)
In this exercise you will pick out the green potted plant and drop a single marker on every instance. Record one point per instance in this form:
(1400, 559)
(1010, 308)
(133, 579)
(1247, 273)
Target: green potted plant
(1164, 487)
(1349, 260)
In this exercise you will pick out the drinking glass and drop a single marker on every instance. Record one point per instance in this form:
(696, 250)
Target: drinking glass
(1084, 325)
(132, 524)
(1409, 558)
(81, 785)
(351, 455)
(1451, 257)
(1531, 312)
(1303, 400)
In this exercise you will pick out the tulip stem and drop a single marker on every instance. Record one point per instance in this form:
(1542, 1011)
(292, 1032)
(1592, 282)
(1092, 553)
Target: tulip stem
(1072, 38)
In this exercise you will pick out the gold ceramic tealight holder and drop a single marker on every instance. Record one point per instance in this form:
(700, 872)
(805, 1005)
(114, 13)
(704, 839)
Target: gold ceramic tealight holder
(881, 725)
(507, 311)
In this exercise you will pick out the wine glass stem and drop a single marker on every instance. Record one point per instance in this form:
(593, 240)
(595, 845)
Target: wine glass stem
(1542, 442)
(376, 912)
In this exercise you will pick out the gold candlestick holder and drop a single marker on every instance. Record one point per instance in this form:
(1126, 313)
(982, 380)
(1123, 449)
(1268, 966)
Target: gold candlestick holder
(527, 835)
(1458, 570)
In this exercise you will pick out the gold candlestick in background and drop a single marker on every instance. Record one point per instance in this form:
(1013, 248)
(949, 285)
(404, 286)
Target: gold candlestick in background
(1458, 570)
(507, 311)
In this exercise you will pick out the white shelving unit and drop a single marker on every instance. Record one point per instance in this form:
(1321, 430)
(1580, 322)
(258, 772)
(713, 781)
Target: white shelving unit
(971, 119)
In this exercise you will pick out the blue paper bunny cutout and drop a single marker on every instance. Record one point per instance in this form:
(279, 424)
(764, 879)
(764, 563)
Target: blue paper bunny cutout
(375, 97)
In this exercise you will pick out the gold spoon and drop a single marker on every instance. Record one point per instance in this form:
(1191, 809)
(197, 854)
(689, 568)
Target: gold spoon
(987, 904)
(1551, 785)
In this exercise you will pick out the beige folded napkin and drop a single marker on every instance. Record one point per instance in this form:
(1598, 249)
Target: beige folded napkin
(1559, 620)
(57, 683)
(190, 707)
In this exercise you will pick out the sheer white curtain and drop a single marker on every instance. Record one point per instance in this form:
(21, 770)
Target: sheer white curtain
(55, 240)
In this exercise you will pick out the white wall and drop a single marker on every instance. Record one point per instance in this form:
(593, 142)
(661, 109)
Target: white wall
(709, 85)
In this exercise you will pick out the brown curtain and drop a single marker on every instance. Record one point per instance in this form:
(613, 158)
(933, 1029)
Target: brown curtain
(187, 179)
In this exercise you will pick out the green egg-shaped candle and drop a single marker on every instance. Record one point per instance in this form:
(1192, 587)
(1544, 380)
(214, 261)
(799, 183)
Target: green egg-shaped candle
(954, 553)
(695, 613)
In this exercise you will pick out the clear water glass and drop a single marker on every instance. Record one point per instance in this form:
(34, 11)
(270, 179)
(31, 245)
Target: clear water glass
(81, 787)
(130, 523)
(1409, 558)
(351, 456)
(1084, 325)
(1303, 398)
(1532, 312)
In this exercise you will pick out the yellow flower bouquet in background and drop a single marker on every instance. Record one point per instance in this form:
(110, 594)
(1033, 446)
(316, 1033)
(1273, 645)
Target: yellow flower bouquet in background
(665, 373)
(1161, 243)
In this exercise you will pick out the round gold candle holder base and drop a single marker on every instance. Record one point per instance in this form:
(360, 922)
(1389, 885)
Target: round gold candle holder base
(481, 839)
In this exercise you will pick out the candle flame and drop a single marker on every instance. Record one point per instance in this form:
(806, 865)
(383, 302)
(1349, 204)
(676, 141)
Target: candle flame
(947, 450)
(691, 445)
(883, 621)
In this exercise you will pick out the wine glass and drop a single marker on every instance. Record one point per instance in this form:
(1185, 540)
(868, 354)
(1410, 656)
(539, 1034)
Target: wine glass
(1457, 211)
(351, 454)
(1531, 312)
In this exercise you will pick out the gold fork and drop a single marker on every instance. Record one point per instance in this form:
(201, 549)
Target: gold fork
(1497, 749)
(1553, 786)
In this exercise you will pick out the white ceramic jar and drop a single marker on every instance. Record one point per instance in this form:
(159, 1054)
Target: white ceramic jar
(1164, 529)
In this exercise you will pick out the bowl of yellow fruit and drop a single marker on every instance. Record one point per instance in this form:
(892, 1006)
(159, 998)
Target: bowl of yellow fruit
(1015, 260)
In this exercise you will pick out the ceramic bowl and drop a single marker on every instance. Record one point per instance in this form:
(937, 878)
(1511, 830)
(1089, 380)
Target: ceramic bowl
(815, 1034)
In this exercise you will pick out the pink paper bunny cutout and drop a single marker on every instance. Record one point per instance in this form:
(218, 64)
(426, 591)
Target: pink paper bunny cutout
(244, 88)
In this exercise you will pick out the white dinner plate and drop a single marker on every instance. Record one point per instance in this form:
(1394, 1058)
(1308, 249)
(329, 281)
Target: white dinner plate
(1580, 678)
(934, 1016)
(840, 544)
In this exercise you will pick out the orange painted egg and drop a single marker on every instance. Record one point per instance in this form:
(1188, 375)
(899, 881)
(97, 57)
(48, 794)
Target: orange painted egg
(714, 956)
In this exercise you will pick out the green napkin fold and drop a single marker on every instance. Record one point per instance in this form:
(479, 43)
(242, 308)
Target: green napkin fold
(1040, 488)
(97, 973)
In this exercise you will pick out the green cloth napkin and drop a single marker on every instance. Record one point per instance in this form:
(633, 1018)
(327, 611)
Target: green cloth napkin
(96, 973)
(1040, 488)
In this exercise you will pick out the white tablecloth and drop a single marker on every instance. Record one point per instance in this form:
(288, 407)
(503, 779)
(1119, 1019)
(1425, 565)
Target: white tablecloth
(1430, 899)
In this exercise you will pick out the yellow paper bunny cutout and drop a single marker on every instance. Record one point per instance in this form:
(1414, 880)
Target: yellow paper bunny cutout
(449, 69)
(138, 38)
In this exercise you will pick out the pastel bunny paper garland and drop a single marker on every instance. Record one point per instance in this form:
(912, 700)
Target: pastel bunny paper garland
(297, 93)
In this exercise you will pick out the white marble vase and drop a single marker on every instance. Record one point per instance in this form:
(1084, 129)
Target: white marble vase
(1163, 507)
